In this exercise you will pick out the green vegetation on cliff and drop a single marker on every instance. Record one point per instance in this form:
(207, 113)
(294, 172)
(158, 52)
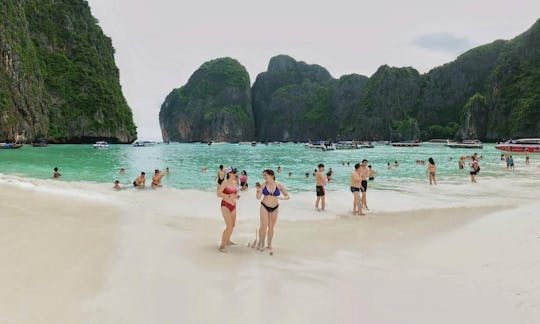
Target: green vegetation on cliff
(215, 104)
(58, 70)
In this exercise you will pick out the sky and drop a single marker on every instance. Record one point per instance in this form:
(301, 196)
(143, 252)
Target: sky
(160, 43)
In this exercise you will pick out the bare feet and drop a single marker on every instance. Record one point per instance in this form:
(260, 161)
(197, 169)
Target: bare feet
(223, 249)
(231, 243)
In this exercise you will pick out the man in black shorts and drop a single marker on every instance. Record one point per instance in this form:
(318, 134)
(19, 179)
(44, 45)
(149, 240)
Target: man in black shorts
(320, 180)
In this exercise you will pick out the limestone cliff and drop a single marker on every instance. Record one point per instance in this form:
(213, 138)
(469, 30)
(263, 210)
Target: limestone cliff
(215, 104)
(58, 78)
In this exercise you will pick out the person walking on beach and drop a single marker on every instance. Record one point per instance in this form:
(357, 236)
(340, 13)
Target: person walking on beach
(364, 175)
(140, 181)
(474, 168)
(56, 174)
(220, 176)
(320, 180)
(243, 180)
(156, 179)
(228, 192)
(431, 171)
(271, 192)
(356, 184)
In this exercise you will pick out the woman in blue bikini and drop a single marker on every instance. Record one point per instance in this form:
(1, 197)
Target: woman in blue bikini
(270, 193)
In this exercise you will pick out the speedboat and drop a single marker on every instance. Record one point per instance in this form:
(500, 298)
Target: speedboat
(321, 145)
(405, 144)
(474, 144)
(143, 143)
(522, 145)
(8, 146)
(101, 145)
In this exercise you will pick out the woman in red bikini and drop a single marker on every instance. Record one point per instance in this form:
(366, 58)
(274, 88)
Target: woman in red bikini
(228, 192)
(270, 193)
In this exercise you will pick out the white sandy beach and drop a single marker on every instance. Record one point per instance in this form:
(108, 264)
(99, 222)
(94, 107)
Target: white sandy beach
(454, 253)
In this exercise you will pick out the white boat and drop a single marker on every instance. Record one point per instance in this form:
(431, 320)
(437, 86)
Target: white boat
(405, 144)
(101, 145)
(143, 143)
(321, 145)
(474, 144)
(522, 145)
(352, 145)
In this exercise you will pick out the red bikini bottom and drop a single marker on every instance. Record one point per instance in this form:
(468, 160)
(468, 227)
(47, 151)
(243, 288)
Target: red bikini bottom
(227, 205)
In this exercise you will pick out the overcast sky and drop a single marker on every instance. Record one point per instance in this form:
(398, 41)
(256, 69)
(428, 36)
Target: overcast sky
(160, 43)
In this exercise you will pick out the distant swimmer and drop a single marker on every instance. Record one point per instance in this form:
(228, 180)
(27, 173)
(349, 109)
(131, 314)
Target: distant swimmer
(372, 173)
(156, 179)
(220, 175)
(117, 185)
(140, 181)
(388, 166)
(396, 164)
(243, 180)
(527, 160)
(271, 192)
(364, 175)
(228, 192)
(320, 180)
(122, 171)
(431, 171)
(290, 174)
(279, 169)
(167, 171)
(307, 175)
(356, 184)
(56, 174)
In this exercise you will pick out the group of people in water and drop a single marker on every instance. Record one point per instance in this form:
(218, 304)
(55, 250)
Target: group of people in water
(140, 180)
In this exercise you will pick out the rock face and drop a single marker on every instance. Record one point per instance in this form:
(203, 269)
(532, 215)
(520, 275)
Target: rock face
(215, 104)
(490, 92)
(58, 78)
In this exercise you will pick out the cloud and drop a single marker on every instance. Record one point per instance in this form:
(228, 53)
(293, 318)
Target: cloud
(442, 42)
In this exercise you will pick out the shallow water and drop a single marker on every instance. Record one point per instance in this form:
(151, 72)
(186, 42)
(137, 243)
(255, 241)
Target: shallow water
(83, 163)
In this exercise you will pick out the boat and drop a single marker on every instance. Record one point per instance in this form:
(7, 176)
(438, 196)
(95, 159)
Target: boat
(8, 146)
(253, 143)
(522, 145)
(143, 143)
(405, 144)
(42, 143)
(474, 144)
(101, 145)
(351, 145)
(321, 145)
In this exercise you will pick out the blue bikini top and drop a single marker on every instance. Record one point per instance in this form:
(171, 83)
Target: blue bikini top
(275, 193)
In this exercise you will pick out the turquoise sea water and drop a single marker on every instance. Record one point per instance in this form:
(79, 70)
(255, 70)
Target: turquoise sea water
(83, 163)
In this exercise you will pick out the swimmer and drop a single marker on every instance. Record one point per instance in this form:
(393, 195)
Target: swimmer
(116, 185)
(122, 171)
(56, 174)
(372, 173)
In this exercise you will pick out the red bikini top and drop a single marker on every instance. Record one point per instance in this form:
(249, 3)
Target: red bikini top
(229, 191)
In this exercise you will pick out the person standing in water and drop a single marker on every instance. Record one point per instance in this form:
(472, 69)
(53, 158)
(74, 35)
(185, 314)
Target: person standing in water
(372, 173)
(271, 192)
(220, 176)
(356, 184)
(56, 174)
(156, 179)
(228, 192)
(320, 180)
(431, 171)
(474, 168)
(243, 180)
(140, 181)
(364, 175)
